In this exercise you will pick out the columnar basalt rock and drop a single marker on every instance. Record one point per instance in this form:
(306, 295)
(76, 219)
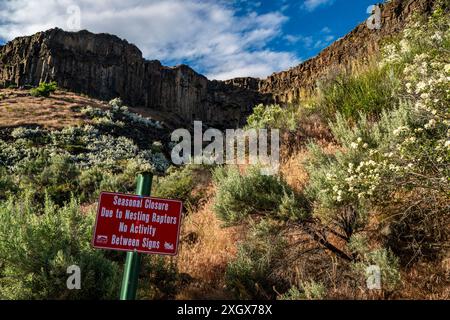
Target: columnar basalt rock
(102, 66)
(105, 67)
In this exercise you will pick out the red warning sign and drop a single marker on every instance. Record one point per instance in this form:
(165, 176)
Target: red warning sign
(135, 223)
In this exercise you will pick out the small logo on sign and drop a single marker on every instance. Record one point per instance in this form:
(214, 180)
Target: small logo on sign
(102, 239)
(168, 246)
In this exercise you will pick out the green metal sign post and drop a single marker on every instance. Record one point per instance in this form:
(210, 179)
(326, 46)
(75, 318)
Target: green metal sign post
(133, 261)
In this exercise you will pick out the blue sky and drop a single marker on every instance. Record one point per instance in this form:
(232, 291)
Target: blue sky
(310, 31)
(221, 39)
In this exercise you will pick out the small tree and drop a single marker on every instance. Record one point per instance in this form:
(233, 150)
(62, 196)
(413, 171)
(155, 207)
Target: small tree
(44, 89)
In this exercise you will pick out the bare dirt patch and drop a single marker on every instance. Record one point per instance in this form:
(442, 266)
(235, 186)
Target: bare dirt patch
(61, 109)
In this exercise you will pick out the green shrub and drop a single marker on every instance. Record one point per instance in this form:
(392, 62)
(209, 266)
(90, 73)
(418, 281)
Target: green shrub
(188, 183)
(273, 116)
(240, 195)
(36, 251)
(311, 290)
(7, 185)
(56, 176)
(251, 274)
(178, 184)
(122, 181)
(159, 277)
(91, 182)
(382, 258)
(314, 290)
(292, 294)
(44, 89)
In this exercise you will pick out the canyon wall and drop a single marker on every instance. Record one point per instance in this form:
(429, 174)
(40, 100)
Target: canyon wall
(355, 48)
(105, 67)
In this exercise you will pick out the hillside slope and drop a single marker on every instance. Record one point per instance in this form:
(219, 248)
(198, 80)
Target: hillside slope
(362, 193)
(18, 108)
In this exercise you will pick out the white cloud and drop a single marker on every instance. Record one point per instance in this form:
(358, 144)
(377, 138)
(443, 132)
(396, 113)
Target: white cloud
(319, 40)
(305, 41)
(311, 5)
(210, 34)
(291, 38)
(324, 42)
(326, 30)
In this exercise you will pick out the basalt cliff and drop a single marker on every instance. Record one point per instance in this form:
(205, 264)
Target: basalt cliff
(104, 66)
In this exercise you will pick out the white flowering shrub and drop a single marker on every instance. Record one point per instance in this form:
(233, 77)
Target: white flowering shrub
(118, 115)
(352, 174)
(402, 159)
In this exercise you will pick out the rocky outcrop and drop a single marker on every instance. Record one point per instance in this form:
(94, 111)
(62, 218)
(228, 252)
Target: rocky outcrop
(234, 99)
(105, 67)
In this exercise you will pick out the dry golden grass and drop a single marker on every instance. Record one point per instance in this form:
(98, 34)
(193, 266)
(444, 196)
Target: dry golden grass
(61, 109)
(293, 171)
(293, 152)
(205, 250)
(426, 281)
(293, 158)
